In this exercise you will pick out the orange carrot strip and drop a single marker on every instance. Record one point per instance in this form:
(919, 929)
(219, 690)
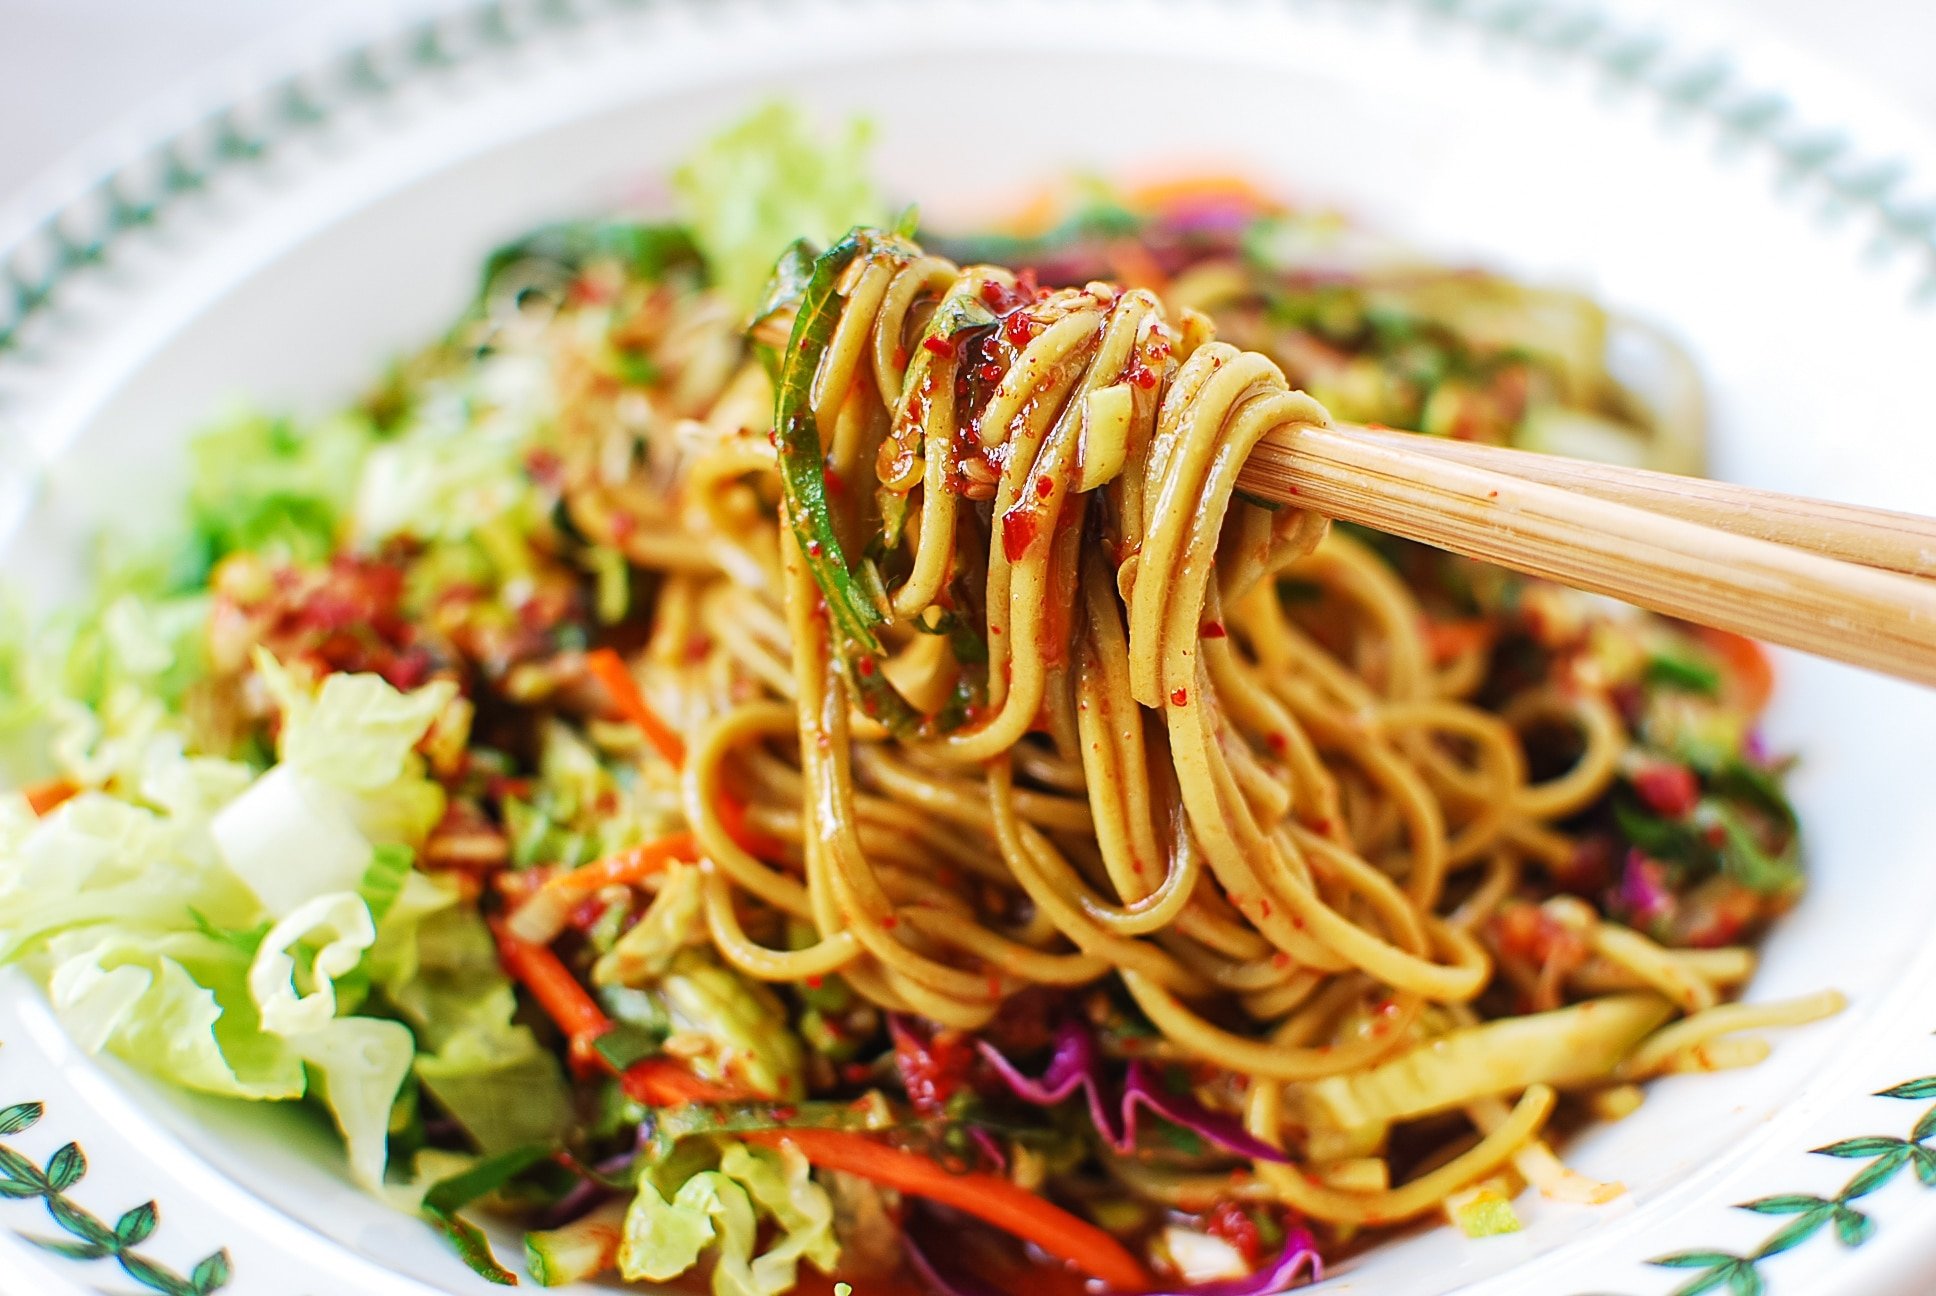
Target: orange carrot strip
(657, 1082)
(1175, 191)
(610, 670)
(43, 796)
(1748, 669)
(732, 817)
(606, 666)
(986, 1196)
(557, 991)
(1453, 639)
(627, 868)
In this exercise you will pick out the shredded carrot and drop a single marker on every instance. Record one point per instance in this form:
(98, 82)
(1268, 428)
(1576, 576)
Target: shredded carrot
(609, 669)
(627, 868)
(658, 1082)
(557, 991)
(1450, 640)
(42, 797)
(1749, 675)
(986, 1196)
(1183, 190)
(732, 817)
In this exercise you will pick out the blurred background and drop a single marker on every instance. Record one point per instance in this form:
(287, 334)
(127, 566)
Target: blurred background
(69, 68)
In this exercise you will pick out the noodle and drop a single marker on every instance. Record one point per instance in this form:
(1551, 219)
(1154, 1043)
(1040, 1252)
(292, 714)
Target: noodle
(1056, 662)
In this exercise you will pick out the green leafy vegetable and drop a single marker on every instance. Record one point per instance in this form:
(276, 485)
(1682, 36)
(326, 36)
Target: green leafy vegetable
(803, 469)
(576, 1251)
(722, 1210)
(265, 485)
(803, 479)
(383, 881)
(647, 251)
(488, 1072)
(624, 1045)
(1684, 673)
(753, 1045)
(771, 179)
(445, 1198)
(348, 782)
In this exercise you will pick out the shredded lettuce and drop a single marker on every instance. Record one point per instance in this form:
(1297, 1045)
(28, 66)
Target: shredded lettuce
(356, 731)
(265, 485)
(752, 1046)
(722, 1210)
(487, 1072)
(328, 934)
(771, 179)
(220, 929)
(669, 924)
(349, 783)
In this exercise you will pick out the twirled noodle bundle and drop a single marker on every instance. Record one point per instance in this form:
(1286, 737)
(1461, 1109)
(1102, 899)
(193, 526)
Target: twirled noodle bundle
(1011, 694)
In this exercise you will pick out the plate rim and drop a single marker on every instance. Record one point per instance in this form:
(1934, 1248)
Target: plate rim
(49, 243)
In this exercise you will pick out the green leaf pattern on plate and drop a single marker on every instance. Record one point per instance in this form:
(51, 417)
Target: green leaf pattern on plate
(1885, 1155)
(88, 1238)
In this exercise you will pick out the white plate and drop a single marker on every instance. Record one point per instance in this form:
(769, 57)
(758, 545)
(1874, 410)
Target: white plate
(288, 241)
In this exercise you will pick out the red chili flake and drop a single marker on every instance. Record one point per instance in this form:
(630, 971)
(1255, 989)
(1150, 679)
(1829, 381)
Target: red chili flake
(1017, 329)
(889, 922)
(938, 346)
(409, 669)
(815, 981)
(932, 1070)
(1045, 485)
(1277, 742)
(1263, 907)
(545, 468)
(836, 484)
(866, 667)
(991, 292)
(900, 357)
(1231, 1222)
(1181, 697)
(991, 372)
(1211, 630)
(1668, 788)
(813, 548)
(1019, 526)
(1280, 960)
(1141, 374)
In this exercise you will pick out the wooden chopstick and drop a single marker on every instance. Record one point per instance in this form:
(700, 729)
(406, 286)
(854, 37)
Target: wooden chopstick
(1902, 542)
(1883, 620)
